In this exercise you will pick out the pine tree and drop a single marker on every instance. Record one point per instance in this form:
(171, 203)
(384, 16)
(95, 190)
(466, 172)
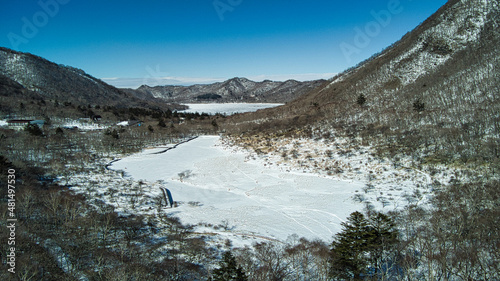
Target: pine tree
(363, 247)
(361, 100)
(161, 123)
(350, 248)
(229, 270)
(34, 130)
(418, 105)
(382, 249)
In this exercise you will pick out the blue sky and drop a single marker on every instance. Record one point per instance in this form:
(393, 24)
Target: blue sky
(129, 43)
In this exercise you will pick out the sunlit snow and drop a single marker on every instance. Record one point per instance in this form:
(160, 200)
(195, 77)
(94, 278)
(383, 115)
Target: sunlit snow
(253, 199)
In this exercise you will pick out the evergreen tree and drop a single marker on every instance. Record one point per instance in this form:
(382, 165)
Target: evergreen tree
(361, 100)
(350, 248)
(364, 247)
(383, 251)
(161, 123)
(418, 105)
(214, 124)
(34, 130)
(113, 133)
(229, 270)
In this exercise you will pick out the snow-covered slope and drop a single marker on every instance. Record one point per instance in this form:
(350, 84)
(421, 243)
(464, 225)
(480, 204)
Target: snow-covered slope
(450, 63)
(226, 187)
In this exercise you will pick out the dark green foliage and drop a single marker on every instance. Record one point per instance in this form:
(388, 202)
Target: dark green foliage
(161, 123)
(361, 100)
(383, 252)
(33, 130)
(350, 248)
(360, 249)
(208, 97)
(229, 270)
(59, 131)
(113, 133)
(418, 106)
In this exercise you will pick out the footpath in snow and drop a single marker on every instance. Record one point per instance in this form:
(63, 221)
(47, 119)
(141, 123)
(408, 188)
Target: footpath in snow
(224, 186)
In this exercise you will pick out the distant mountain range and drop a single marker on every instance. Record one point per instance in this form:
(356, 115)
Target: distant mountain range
(233, 90)
(27, 77)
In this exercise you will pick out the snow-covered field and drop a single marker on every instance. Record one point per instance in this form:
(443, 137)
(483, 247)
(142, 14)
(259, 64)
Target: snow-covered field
(227, 187)
(227, 108)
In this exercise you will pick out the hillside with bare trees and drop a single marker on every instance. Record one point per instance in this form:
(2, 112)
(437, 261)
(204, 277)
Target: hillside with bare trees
(436, 89)
(57, 83)
(409, 138)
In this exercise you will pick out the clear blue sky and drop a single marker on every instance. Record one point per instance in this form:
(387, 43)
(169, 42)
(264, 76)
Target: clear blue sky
(188, 41)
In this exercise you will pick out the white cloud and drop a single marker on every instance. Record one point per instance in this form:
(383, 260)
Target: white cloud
(186, 81)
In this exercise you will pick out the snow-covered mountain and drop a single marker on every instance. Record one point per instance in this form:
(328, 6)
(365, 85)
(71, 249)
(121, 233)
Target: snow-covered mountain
(449, 64)
(233, 90)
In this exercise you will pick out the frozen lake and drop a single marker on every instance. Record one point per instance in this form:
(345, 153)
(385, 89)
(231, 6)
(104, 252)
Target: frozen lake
(227, 108)
(226, 186)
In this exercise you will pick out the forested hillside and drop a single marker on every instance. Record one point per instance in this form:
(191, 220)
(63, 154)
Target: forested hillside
(436, 89)
(429, 103)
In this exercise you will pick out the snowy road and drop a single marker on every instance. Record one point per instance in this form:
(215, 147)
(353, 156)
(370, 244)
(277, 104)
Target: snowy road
(252, 198)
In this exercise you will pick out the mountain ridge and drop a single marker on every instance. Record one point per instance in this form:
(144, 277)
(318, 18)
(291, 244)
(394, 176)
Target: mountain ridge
(67, 84)
(237, 89)
(457, 42)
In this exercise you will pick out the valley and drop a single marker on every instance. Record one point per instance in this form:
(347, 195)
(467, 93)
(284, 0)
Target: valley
(388, 171)
(219, 182)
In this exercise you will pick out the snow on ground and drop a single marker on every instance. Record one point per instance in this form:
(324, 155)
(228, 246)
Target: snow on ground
(227, 108)
(244, 191)
(3, 123)
(83, 125)
(226, 187)
(387, 185)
